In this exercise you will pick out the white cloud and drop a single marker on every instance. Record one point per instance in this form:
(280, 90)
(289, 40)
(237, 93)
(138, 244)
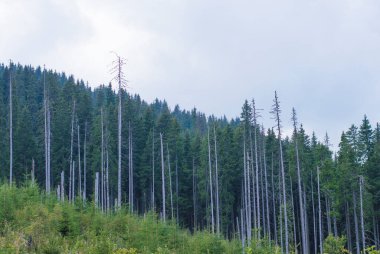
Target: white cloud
(321, 56)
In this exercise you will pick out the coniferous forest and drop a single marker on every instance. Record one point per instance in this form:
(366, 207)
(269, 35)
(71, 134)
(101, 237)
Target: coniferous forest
(236, 179)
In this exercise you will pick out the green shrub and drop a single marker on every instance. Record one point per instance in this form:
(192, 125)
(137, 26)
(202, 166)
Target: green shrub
(334, 245)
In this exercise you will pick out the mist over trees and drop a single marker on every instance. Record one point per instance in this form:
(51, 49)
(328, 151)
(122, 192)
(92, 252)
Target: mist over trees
(235, 178)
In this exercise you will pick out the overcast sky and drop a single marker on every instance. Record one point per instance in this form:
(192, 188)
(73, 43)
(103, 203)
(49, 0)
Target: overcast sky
(323, 57)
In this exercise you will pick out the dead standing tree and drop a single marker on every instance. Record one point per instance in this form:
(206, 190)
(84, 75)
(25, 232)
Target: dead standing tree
(276, 112)
(117, 70)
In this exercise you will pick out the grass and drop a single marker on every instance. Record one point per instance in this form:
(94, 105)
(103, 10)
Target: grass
(32, 222)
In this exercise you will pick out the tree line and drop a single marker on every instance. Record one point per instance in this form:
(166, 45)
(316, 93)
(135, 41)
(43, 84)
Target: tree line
(232, 177)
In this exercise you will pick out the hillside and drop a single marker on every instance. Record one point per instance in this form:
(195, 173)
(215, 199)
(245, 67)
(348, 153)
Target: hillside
(34, 223)
(235, 178)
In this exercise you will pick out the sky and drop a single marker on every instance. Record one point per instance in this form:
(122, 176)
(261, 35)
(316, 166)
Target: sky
(321, 56)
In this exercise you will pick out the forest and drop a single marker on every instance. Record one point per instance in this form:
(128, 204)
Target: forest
(235, 179)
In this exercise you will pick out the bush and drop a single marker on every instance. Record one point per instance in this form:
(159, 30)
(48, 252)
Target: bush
(334, 245)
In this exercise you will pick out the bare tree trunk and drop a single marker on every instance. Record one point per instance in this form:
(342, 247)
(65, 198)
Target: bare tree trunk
(361, 184)
(85, 163)
(107, 181)
(58, 192)
(247, 195)
(102, 163)
(281, 216)
(320, 216)
(71, 152)
(261, 184)
(79, 166)
(10, 127)
(97, 189)
(314, 217)
(170, 183)
(62, 185)
(257, 170)
(176, 188)
(163, 180)
(266, 187)
(46, 137)
(306, 220)
(211, 185)
(153, 171)
(48, 143)
(294, 217)
(242, 230)
(131, 188)
(216, 186)
(303, 232)
(119, 143)
(356, 225)
(194, 197)
(274, 205)
(33, 172)
(252, 197)
(73, 183)
(276, 111)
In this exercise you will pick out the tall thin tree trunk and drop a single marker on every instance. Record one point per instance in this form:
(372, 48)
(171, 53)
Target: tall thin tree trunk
(274, 205)
(294, 218)
(85, 163)
(194, 197)
(242, 230)
(306, 220)
(71, 151)
(303, 232)
(356, 225)
(211, 185)
(119, 142)
(320, 216)
(102, 163)
(176, 188)
(10, 127)
(252, 198)
(48, 142)
(153, 171)
(266, 186)
(163, 180)
(314, 217)
(216, 186)
(256, 169)
(79, 166)
(73, 183)
(46, 137)
(247, 195)
(107, 181)
(170, 184)
(62, 185)
(281, 215)
(276, 111)
(97, 189)
(361, 184)
(131, 188)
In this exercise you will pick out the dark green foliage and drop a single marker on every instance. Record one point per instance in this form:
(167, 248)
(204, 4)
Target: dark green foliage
(185, 137)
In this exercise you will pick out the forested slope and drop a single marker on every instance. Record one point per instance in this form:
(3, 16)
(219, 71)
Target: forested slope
(229, 177)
